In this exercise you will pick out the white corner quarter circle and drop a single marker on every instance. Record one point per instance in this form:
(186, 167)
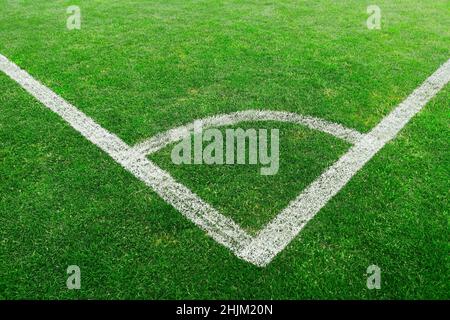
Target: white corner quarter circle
(161, 140)
(278, 233)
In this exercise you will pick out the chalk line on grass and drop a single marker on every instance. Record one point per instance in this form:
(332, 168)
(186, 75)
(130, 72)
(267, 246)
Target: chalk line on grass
(284, 227)
(161, 140)
(222, 229)
(278, 233)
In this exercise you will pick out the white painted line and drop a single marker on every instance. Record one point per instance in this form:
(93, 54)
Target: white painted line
(283, 228)
(161, 140)
(259, 250)
(219, 227)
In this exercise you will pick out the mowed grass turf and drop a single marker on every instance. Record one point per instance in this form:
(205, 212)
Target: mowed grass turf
(140, 67)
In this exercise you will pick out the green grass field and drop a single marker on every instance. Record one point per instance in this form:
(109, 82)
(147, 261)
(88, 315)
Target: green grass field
(142, 67)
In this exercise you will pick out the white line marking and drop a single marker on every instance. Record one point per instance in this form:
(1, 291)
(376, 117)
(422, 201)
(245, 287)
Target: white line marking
(283, 228)
(219, 227)
(259, 250)
(161, 140)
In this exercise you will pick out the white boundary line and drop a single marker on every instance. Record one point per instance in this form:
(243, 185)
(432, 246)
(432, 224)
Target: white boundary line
(259, 250)
(219, 227)
(284, 227)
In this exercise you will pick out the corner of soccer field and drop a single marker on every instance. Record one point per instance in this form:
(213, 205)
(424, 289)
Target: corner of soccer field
(224, 149)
